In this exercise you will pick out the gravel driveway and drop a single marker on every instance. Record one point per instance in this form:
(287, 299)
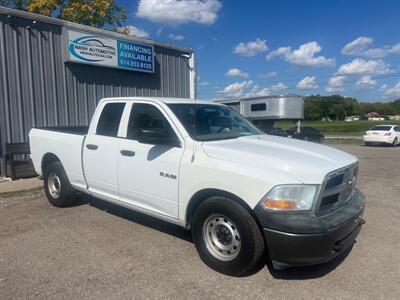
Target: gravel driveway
(97, 250)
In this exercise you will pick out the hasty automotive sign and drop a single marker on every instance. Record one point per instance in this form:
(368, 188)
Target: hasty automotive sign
(91, 49)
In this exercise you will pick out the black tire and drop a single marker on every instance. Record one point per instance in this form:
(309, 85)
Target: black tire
(367, 144)
(394, 144)
(64, 197)
(252, 247)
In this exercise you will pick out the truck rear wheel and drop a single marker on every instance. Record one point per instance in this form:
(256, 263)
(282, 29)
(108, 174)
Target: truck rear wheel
(58, 190)
(227, 237)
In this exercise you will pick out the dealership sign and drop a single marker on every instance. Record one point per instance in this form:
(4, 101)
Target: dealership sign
(90, 49)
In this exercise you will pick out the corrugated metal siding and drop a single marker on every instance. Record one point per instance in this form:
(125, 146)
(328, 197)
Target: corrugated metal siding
(38, 89)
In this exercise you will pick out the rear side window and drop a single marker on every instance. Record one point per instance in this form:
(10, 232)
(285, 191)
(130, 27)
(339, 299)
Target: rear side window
(381, 128)
(110, 118)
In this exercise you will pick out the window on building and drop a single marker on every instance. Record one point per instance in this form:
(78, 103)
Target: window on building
(110, 118)
(259, 107)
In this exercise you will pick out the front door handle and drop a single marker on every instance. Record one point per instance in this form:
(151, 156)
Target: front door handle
(127, 153)
(92, 146)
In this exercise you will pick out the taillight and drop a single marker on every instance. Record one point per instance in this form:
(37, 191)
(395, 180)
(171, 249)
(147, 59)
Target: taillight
(388, 133)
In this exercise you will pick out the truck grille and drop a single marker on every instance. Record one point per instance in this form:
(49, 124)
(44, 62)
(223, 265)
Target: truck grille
(337, 189)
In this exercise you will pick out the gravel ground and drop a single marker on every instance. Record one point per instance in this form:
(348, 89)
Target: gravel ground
(8, 186)
(99, 251)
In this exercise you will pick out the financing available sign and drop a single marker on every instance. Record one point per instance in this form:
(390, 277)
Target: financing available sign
(96, 50)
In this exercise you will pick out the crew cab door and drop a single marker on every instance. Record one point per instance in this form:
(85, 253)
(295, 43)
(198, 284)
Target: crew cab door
(148, 172)
(100, 151)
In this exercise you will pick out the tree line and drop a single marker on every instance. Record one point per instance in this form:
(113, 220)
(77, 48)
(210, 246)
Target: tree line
(95, 13)
(338, 107)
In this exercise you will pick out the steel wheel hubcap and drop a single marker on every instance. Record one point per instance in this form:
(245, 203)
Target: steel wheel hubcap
(54, 185)
(221, 237)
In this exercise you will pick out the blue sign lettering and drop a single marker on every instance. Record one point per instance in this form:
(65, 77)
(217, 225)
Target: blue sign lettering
(135, 56)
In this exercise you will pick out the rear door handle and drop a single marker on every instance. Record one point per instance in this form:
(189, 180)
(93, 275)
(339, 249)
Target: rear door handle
(92, 146)
(127, 153)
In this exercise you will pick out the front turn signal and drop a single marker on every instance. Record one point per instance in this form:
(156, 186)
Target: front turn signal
(290, 197)
(279, 204)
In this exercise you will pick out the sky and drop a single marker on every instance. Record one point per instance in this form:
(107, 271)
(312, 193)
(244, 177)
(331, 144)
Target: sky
(256, 48)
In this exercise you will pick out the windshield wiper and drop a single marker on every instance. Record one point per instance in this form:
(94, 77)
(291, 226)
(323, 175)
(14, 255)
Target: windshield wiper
(219, 138)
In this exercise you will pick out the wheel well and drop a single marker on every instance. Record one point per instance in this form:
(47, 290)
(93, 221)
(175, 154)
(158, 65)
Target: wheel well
(47, 159)
(203, 195)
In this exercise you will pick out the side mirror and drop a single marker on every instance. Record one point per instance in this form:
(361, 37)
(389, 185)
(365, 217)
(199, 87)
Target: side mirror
(157, 136)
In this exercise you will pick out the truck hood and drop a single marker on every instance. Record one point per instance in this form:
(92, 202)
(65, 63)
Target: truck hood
(303, 161)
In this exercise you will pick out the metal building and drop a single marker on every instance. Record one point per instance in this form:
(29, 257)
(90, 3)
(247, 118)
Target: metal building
(53, 72)
(264, 111)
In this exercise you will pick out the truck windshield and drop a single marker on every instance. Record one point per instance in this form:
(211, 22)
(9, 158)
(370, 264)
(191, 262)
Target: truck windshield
(207, 122)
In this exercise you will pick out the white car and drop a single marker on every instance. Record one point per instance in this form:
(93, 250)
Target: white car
(383, 134)
(204, 167)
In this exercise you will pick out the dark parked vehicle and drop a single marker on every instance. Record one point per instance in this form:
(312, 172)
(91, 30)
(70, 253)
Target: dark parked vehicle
(307, 134)
(277, 131)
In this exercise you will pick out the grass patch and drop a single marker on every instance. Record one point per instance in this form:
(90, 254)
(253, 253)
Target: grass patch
(338, 127)
(344, 141)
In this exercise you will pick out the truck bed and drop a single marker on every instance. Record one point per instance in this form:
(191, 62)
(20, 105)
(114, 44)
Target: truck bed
(81, 130)
(66, 144)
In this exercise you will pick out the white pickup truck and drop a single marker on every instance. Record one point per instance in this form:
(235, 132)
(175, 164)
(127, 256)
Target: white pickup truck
(245, 195)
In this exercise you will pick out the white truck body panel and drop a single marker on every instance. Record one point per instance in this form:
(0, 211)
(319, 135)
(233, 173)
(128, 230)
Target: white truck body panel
(100, 166)
(247, 167)
(160, 194)
(67, 147)
(283, 156)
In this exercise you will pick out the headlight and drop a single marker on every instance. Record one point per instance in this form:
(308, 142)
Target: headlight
(290, 197)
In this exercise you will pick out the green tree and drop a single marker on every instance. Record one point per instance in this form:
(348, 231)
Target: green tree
(43, 7)
(96, 13)
(338, 107)
(337, 111)
(312, 109)
(396, 106)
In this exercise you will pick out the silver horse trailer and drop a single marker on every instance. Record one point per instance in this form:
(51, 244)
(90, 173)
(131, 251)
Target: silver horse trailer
(264, 111)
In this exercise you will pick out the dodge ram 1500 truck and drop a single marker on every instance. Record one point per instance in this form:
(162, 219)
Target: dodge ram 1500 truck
(245, 195)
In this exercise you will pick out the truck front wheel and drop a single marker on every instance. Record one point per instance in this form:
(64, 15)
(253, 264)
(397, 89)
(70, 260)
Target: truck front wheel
(227, 237)
(58, 190)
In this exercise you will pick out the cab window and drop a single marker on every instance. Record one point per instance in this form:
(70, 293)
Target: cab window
(147, 116)
(109, 119)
